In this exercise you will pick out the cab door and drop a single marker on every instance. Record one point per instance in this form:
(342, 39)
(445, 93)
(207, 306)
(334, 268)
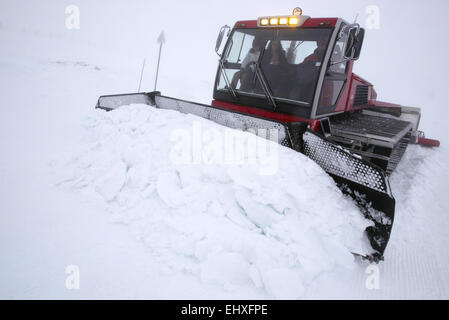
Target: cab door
(335, 78)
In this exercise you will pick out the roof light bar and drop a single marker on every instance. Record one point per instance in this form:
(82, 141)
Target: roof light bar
(282, 21)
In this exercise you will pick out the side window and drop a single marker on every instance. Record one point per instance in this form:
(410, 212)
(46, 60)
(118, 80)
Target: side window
(241, 44)
(337, 60)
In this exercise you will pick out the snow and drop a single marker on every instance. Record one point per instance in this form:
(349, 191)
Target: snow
(225, 223)
(98, 190)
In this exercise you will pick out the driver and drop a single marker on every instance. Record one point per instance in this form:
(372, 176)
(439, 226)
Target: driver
(306, 76)
(319, 52)
(276, 68)
(253, 54)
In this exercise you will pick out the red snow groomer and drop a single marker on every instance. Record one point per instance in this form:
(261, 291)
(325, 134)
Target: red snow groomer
(295, 74)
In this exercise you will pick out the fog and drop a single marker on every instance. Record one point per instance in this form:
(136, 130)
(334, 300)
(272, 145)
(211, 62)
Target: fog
(405, 57)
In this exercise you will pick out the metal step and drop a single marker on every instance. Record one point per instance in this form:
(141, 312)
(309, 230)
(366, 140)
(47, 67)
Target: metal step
(369, 129)
(378, 139)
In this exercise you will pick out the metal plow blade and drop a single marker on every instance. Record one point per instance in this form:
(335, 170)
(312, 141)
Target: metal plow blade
(364, 182)
(112, 102)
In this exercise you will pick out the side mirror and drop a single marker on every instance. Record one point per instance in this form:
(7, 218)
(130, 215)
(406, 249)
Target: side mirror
(220, 37)
(354, 44)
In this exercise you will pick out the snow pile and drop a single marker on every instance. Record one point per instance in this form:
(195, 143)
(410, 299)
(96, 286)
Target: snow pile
(232, 225)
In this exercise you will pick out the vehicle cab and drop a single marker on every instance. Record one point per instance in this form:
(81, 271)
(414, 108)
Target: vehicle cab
(290, 68)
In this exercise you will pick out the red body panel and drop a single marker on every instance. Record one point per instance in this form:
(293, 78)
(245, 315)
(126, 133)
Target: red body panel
(246, 24)
(265, 114)
(355, 80)
(320, 22)
(428, 142)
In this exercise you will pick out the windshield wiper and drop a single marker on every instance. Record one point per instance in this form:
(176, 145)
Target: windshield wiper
(225, 76)
(263, 81)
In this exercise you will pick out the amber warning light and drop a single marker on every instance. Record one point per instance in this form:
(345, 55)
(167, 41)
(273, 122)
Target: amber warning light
(281, 21)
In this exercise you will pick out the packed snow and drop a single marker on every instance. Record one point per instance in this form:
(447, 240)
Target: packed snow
(228, 222)
(121, 196)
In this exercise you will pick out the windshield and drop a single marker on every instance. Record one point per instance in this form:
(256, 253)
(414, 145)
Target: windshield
(289, 60)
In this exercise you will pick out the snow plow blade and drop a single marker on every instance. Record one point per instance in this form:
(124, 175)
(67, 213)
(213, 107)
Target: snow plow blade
(366, 183)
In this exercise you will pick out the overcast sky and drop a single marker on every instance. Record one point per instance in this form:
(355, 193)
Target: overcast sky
(404, 55)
